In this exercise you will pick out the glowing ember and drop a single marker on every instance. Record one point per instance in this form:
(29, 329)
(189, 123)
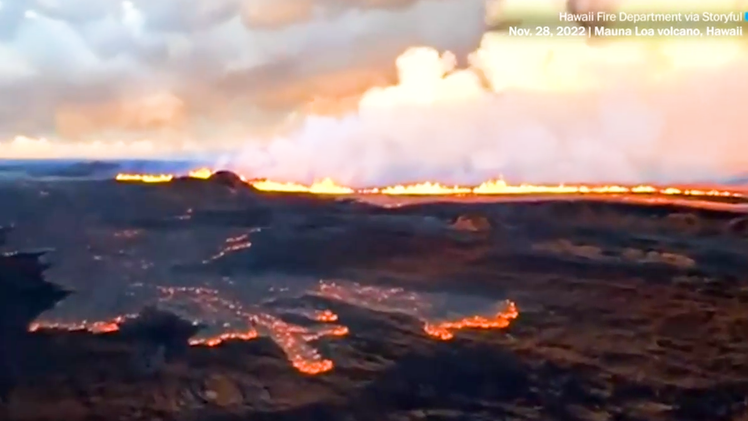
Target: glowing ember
(491, 187)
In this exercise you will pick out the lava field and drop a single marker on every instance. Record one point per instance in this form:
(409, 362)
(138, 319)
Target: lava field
(208, 300)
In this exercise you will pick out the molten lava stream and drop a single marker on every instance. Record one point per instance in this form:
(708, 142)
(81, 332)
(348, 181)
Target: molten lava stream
(145, 178)
(294, 342)
(416, 305)
(444, 330)
(291, 338)
(201, 173)
(106, 326)
(210, 305)
(217, 340)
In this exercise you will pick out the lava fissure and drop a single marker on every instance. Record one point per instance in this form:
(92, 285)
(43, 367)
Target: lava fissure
(327, 186)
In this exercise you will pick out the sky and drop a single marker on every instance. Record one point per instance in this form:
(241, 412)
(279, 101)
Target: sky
(370, 91)
(203, 70)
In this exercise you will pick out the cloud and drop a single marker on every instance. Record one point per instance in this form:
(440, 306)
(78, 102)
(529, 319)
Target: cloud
(561, 110)
(273, 13)
(148, 113)
(310, 91)
(72, 70)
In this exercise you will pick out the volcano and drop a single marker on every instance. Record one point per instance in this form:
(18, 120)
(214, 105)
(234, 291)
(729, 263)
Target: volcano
(206, 297)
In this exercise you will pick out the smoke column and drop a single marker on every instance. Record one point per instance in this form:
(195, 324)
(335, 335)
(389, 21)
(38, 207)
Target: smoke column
(551, 110)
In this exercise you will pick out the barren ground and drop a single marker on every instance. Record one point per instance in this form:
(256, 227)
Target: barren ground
(626, 311)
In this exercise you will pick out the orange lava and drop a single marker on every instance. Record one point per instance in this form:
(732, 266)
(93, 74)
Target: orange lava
(294, 340)
(326, 316)
(237, 323)
(217, 340)
(202, 173)
(444, 330)
(232, 244)
(327, 186)
(94, 327)
(401, 301)
(145, 178)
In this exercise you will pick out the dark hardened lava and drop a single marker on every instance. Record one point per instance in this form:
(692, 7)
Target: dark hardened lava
(627, 312)
(24, 295)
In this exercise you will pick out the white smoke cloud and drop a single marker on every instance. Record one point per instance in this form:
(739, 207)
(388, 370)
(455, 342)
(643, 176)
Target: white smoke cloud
(529, 110)
(553, 111)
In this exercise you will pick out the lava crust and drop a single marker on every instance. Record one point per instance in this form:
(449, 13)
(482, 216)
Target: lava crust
(205, 301)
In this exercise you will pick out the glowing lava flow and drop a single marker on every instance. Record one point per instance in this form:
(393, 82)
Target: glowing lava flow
(201, 173)
(443, 330)
(225, 337)
(295, 340)
(93, 327)
(145, 178)
(492, 187)
(326, 186)
(247, 324)
(399, 300)
(233, 322)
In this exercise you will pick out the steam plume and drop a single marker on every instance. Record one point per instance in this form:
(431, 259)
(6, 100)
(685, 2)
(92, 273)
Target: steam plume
(552, 110)
(542, 110)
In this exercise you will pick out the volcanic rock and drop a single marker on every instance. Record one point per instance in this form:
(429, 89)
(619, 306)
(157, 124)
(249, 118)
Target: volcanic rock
(4, 232)
(605, 331)
(221, 391)
(738, 226)
(684, 222)
(228, 179)
(149, 358)
(565, 247)
(653, 256)
(472, 222)
(74, 170)
(24, 295)
(154, 328)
